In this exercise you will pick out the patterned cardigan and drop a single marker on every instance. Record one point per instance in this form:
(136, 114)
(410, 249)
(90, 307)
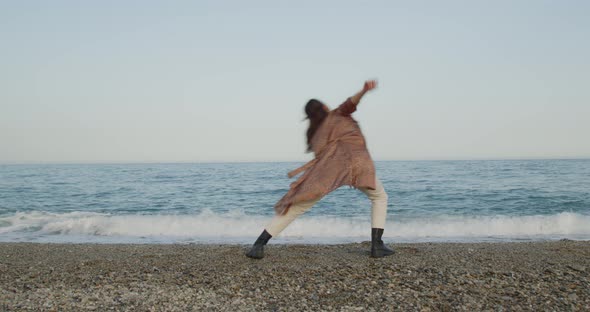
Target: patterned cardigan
(341, 158)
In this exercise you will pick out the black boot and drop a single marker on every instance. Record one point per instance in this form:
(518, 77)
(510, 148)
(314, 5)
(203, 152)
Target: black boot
(257, 250)
(378, 249)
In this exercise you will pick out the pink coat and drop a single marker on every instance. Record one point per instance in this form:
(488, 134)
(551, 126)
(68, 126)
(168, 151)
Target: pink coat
(341, 158)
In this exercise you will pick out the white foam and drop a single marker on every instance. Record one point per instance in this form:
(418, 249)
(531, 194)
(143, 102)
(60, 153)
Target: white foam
(241, 228)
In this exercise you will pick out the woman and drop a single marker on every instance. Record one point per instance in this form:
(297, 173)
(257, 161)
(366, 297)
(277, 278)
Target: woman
(341, 158)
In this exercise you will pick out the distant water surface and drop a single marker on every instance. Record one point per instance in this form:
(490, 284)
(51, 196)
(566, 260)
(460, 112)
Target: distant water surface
(484, 200)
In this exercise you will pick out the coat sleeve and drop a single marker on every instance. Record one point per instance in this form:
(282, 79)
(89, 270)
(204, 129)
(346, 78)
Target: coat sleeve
(346, 108)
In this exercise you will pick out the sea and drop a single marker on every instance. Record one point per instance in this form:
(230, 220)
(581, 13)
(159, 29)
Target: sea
(230, 203)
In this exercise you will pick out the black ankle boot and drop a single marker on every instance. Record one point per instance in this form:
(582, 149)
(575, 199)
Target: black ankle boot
(378, 249)
(257, 250)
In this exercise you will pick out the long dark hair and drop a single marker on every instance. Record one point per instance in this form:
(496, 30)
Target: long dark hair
(316, 114)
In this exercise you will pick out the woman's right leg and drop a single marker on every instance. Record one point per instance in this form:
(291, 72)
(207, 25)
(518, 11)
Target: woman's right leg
(277, 225)
(378, 198)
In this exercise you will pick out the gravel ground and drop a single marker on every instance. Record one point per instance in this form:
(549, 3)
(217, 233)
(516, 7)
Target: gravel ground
(419, 277)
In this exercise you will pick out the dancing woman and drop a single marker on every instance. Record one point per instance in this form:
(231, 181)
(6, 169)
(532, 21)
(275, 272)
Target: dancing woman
(341, 158)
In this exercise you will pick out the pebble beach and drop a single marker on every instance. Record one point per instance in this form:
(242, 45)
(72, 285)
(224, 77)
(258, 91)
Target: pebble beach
(521, 276)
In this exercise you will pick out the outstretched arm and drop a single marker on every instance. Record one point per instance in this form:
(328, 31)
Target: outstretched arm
(369, 85)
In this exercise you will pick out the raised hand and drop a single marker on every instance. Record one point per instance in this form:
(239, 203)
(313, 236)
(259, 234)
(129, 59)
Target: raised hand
(370, 85)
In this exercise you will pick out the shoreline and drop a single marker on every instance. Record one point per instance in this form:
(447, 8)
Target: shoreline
(446, 276)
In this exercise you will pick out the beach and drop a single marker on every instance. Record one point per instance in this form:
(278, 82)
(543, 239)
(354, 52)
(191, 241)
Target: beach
(507, 276)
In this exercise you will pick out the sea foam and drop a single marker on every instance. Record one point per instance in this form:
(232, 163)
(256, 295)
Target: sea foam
(209, 227)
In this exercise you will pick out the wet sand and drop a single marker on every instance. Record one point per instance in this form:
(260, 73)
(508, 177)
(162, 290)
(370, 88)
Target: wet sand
(419, 277)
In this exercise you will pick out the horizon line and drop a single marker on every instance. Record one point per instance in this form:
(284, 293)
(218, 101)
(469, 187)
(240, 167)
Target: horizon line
(278, 161)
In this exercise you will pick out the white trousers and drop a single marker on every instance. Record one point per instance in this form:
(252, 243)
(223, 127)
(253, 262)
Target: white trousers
(378, 198)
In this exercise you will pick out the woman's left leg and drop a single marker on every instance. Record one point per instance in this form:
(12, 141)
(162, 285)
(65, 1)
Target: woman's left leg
(280, 222)
(277, 225)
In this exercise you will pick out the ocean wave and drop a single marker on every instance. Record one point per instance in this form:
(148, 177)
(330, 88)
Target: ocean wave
(237, 227)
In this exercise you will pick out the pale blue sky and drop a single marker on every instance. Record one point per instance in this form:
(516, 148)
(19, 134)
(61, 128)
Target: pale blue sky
(159, 81)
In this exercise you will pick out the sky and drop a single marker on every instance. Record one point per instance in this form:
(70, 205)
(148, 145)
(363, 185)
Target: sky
(202, 81)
